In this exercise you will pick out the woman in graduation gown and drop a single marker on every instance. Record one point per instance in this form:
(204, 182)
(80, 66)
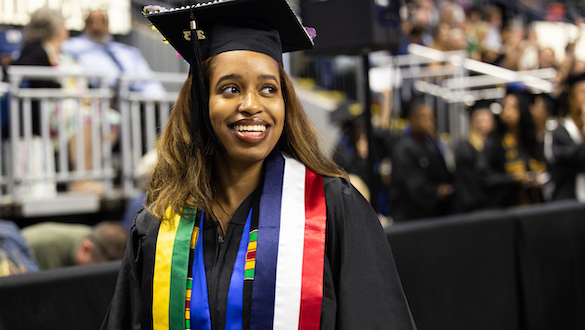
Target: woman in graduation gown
(511, 164)
(248, 225)
(568, 145)
(470, 194)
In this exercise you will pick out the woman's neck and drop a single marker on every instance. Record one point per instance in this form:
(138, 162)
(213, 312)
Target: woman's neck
(235, 182)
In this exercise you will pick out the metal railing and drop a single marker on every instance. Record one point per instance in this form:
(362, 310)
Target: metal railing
(41, 152)
(61, 135)
(450, 81)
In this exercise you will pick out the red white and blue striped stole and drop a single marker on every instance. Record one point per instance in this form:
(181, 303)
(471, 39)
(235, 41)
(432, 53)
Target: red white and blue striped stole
(288, 283)
(288, 272)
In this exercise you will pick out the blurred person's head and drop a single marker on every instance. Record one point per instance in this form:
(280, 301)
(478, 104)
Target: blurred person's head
(541, 109)
(47, 26)
(513, 34)
(481, 120)
(493, 16)
(441, 38)
(546, 58)
(458, 39)
(423, 14)
(474, 15)
(107, 241)
(96, 26)
(422, 119)
(576, 99)
(452, 13)
(510, 115)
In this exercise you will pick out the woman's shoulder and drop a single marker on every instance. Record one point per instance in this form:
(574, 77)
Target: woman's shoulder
(143, 221)
(335, 183)
(343, 197)
(33, 54)
(341, 188)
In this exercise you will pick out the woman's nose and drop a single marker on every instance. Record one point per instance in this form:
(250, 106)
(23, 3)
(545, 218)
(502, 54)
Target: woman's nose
(250, 103)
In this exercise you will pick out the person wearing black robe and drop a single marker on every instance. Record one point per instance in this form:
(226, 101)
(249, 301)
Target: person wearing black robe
(470, 194)
(568, 146)
(361, 285)
(511, 163)
(568, 167)
(238, 148)
(421, 183)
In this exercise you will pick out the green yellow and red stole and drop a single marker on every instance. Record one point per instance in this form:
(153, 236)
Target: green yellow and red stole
(284, 257)
(514, 163)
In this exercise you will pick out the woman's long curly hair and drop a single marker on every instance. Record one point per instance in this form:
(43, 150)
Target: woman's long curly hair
(525, 125)
(181, 179)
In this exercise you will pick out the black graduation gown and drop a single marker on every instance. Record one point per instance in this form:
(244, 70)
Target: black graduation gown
(491, 165)
(569, 160)
(470, 194)
(418, 167)
(361, 284)
(502, 190)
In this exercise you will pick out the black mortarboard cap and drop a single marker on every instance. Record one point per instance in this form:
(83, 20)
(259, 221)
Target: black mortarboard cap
(479, 105)
(265, 26)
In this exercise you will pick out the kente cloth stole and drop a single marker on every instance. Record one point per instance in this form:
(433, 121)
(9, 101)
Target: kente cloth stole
(284, 257)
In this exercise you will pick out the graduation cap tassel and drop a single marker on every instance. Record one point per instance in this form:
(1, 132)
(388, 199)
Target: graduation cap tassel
(199, 105)
(198, 101)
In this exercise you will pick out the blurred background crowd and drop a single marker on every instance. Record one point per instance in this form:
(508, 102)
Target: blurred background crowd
(522, 146)
(412, 152)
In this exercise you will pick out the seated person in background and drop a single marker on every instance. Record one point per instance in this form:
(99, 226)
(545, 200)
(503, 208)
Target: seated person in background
(511, 165)
(470, 194)
(542, 110)
(96, 50)
(15, 255)
(568, 146)
(43, 40)
(63, 244)
(421, 184)
(43, 37)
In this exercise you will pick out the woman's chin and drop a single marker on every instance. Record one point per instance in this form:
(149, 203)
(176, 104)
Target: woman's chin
(248, 156)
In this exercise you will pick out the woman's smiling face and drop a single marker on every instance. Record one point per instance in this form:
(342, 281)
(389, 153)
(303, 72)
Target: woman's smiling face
(246, 105)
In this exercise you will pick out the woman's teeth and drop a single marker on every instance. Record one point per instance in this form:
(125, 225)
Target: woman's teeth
(250, 129)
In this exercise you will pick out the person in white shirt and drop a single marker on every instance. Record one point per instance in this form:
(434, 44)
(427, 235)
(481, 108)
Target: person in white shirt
(96, 50)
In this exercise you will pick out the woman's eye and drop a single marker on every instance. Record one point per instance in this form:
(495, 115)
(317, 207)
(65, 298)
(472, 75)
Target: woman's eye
(268, 89)
(229, 90)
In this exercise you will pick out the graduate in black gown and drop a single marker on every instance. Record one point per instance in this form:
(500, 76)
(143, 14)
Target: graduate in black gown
(568, 146)
(248, 225)
(511, 164)
(544, 110)
(470, 194)
(421, 183)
